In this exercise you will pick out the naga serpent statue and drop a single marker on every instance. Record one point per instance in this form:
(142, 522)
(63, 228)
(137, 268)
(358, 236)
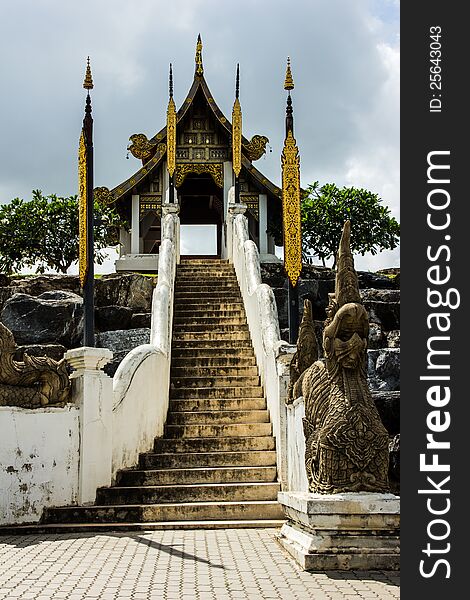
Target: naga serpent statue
(346, 444)
(32, 383)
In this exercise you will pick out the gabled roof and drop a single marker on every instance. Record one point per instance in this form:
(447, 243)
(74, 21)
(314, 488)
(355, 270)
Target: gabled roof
(156, 146)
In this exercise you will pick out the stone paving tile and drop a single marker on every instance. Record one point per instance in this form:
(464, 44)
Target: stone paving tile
(231, 564)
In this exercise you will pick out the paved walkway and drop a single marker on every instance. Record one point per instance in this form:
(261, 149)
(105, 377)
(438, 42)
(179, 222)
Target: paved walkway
(181, 565)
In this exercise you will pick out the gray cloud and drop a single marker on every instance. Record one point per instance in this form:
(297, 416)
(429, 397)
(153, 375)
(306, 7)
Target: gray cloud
(344, 59)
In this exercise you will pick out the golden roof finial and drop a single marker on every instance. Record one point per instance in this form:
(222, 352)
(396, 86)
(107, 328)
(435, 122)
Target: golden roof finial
(289, 81)
(199, 65)
(88, 82)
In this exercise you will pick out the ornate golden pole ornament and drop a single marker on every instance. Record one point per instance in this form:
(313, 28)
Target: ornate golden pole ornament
(289, 80)
(88, 81)
(198, 59)
(171, 130)
(237, 137)
(290, 161)
(82, 211)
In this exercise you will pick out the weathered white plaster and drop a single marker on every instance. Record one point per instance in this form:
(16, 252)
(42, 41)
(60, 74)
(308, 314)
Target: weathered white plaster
(345, 504)
(140, 404)
(342, 531)
(39, 461)
(295, 446)
(137, 262)
(92, 392)
(263, 223)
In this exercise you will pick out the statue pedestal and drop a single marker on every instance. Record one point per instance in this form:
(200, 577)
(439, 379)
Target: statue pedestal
(342, 531)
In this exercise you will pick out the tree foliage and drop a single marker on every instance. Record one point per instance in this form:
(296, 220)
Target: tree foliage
(326, 208)
(42, 233)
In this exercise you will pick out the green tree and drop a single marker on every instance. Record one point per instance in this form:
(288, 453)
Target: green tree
(42, 233)
(326, 208)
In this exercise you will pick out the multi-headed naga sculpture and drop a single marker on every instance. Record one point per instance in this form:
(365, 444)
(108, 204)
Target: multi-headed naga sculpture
(33, 382)
(346, 442)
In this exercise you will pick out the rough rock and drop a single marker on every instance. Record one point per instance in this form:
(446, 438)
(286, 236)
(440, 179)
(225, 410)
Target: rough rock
(393, 338)
(376, 336)
(385, 314)
(384, 369)
(125, 289)
(140, 320)
(317, 282)
(121, 342)
(388, 405)
(4, 280)
(377, 295)
(54, 317)
(37, 285)
(110, 318)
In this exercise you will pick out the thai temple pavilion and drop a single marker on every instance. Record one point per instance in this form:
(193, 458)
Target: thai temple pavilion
(198, 177)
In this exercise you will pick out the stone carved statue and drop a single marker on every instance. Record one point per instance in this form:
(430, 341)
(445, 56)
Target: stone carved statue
(346, 442)
(35, 382)
(306, 353)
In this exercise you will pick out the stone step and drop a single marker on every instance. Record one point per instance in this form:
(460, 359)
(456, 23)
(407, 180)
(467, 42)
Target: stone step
(225, 430)
(198, 371)
(181, 460)
(218, 417)
(196, 285)
(215, 404)
(213, 335)
(217, 338)
(212, 349)
(206, 262)
(191, 382)
(223, 446)
(204, 322)
(188, 308)
(93, 528)
(214, 326)
(204, 315)
(217, 392)
(213, 361)
(212, 279)
(191, 511)
(223, 266)
(210, 492)
(215, 295)
(196, 475)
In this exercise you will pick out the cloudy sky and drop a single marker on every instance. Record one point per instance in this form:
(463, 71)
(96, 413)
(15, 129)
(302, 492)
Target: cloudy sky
(345, 62)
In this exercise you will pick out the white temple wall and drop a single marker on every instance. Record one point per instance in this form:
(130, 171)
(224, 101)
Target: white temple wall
(39, 461)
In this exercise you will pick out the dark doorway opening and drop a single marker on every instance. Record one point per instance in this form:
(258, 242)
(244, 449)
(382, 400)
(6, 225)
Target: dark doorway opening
(201, 203)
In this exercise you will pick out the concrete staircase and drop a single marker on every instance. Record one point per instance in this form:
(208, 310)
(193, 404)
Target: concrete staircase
(216, 464)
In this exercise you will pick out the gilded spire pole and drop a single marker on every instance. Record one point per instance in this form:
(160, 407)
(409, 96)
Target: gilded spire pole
(290, 161)
(198, 58)
(171, 138)
(237, 136)
(86, 218)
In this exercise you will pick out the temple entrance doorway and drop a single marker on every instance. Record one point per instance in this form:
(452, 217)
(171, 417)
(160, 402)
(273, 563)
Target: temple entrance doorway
(201, 216)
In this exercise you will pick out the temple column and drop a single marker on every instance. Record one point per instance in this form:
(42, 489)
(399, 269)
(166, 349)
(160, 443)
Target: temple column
(228, 183)
(135, 224)
(124, 242)
(166, 185)
(263, 223)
